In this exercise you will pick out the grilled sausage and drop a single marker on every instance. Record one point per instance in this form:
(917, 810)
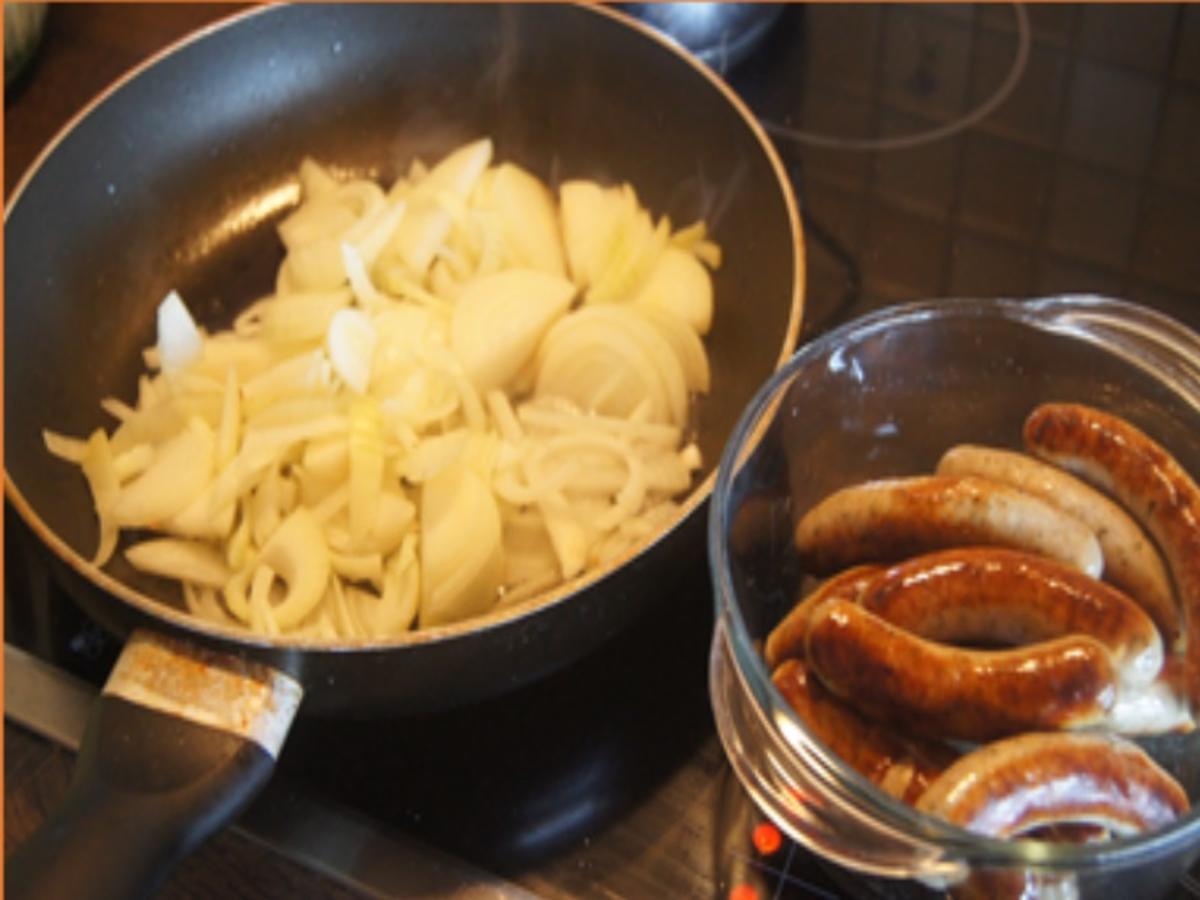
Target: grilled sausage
(903, 767)
(984, 595)
(1131, 561)
(955, 693)
(1153, 708)
(1013, 786)
(786, 639)
(1121, 459)
(893, 518)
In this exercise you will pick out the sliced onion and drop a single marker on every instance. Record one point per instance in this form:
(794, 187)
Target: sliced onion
(609, 359)
(686, 343)
(66, 448)
(680, 285)
(461, 561)
(181, 469)
(98, 468)
(301, 317)
(499, 321)
(189, 561)
(298, 553)
(350, 343)
(527, 218)
(366, 466)
(179, 340)
(591, 217)
(417, 338)
(425, 226)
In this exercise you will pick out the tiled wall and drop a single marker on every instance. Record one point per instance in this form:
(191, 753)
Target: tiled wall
(1087, 178)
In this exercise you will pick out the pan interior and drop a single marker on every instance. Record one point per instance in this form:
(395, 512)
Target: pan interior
(177, 178)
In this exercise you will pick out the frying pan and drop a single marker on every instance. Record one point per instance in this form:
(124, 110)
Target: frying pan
(174, 179)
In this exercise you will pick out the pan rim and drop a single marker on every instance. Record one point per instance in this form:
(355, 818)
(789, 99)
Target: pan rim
(504, 616)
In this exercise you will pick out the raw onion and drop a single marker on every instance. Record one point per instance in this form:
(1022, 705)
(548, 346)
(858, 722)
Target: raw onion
(462, 390)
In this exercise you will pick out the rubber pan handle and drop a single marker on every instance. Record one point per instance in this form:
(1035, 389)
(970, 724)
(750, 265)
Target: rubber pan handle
(153, 781)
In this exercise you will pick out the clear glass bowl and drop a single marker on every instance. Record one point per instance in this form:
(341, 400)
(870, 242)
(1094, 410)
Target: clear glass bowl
(886, 395)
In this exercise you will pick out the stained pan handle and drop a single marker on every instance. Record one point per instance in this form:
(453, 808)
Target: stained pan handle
(178, 744)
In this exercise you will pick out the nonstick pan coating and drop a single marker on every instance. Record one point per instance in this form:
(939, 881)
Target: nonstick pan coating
(176, 177)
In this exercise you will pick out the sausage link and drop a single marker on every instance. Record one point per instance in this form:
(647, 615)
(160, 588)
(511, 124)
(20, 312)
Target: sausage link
(1030, 781)
(1121, 459)
(1154, 708)
(992, 596)
(1131, 561)
(954, 693)
(786, 639)
(890, 519)
(902, 766)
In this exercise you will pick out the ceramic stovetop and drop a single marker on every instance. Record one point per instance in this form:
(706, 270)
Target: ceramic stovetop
(936, 151)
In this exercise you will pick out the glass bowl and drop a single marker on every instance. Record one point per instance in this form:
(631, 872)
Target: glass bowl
(886, 395)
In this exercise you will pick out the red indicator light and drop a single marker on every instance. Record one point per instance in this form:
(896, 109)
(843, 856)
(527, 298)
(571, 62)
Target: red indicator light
(767, 839)
(743, 892)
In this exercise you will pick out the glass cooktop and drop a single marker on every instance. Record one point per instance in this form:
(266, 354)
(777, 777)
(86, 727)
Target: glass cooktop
(946, 150)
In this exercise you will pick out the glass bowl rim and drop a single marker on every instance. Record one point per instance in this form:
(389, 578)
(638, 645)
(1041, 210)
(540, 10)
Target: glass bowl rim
(1050, 314)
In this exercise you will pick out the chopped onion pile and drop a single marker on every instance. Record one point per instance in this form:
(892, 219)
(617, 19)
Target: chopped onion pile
(463, 391)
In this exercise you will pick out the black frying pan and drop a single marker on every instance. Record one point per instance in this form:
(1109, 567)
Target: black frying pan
(172, 180)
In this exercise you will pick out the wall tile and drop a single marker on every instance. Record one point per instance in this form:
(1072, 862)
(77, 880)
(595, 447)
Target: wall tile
(838, 116)
(925, 62)
(1187, 50)
(984, 267)
(1168, 242)
(1065, 276)
(1031, 111)
(920, 178)
(837, 211)
(1093, 215)
(1110, 116)
(1051, 23)
(905, 249)
(1181, 306)
(959, 12)
(1177, 160)
(844, 38)
(1005, 187)
(1130, 34)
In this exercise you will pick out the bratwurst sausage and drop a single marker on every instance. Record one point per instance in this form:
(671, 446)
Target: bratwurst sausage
(1131, 561)
(986, 595)
(955, 693)
(902, 766)
(1123, 460)
(1013, 786)
(893, 518)
(786, 639)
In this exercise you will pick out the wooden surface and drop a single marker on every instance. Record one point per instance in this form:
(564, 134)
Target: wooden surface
(85, 48)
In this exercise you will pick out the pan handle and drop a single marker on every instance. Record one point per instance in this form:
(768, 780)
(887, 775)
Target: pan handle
(179, 742)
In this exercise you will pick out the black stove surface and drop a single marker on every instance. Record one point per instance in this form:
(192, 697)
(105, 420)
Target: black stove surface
(605, 778)
(936, 151)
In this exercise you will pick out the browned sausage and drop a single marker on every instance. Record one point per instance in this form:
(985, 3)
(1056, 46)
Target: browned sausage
(1154, 708)
(786, 640)
(1009, 787)
(992, 596)
(902, 766)
(1131, 561)
(955, 693)
(893, 518)
(1123, 460)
